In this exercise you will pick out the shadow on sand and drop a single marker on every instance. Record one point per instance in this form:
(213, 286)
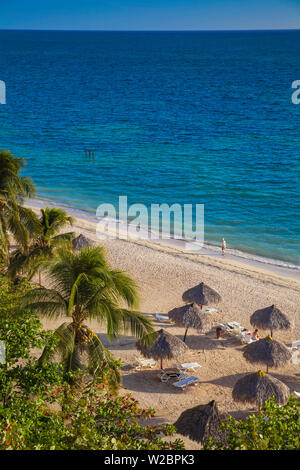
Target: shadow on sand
(148, 381)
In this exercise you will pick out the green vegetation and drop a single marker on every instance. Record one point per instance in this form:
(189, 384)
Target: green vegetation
(277, 428)
(40, 410)
(14, 218)
(43, 244)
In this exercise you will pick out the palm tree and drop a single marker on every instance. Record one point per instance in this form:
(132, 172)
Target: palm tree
(46, 240)
(83, 287)
(14, 218)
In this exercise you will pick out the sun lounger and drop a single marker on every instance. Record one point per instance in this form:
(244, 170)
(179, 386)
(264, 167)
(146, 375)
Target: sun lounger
(182, 384)
(166, 375)
(162, 317)
(295, 345)
(245, 338)
(150, 363)
(296, 357)
(189, 366)
(209, 310)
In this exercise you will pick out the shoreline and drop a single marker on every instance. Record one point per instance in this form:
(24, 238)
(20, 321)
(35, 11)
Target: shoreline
(208, 254)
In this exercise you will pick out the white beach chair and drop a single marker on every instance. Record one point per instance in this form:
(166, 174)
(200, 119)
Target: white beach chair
(246, 338)
(295, 350)
(235, 324)
(182, 384)
(296, 357)
(296, 344)
(189, 366)
(209, 310)
(147, 363)
(160, 317)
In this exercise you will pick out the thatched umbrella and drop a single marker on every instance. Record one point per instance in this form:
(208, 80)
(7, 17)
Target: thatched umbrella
(161, 345)
(270, 318)
(258, 388)
(267, 351)
(201, 422)
(202, 295)
(81, 242)
(190, 316)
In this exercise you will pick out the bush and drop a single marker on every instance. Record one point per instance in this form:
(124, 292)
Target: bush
(277, 428)
(39, 410)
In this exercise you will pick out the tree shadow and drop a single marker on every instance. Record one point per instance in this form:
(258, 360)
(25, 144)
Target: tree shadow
(205, 342)
(148, 381)
(240, 414)
(124, 342)
(228, 381)
(292, 382)
(165, 324)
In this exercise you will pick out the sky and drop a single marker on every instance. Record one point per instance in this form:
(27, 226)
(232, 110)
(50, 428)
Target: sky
(149, 14)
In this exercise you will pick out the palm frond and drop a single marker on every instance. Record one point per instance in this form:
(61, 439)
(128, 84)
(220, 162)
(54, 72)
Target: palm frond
(47, 302)
(98, 354)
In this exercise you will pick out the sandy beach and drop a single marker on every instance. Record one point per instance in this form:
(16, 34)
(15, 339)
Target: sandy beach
(163, 273)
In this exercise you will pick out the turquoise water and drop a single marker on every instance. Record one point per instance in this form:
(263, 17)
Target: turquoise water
(201, 118)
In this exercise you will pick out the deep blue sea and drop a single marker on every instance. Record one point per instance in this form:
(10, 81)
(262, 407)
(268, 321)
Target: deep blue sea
(186, 117)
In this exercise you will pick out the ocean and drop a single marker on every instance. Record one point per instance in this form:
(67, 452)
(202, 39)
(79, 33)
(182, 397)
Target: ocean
(172, 117)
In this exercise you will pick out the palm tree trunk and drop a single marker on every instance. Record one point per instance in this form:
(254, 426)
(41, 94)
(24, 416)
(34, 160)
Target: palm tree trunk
(185, 335)
(40, 278)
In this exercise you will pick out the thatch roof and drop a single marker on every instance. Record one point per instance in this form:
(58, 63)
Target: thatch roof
(202, 295)
(201, 422)
(270, 318)
(81, 242)
(258, 387)
(191, 316)
(267, 351)
(164, 346)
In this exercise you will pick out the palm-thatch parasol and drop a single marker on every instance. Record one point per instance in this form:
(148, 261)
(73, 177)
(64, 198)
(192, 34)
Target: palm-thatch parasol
(190, 316)
(202, 295)
(258, 388)
(267, 351)
(270, 318)
(161, 345)
(81, 242)
(201, 422)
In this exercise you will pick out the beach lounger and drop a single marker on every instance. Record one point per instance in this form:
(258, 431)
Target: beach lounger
(162, 317)
(182, 384)
(168, 374)
(232, 328)
(209, 310)
(245, 338)
(296, 357)
(148, 363)
(235, 324)
(295, 345)
(189, 366)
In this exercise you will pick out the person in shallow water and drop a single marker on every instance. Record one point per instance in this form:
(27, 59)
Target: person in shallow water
(223, 246)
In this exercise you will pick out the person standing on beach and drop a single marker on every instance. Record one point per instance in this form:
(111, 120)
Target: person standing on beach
(223, 247)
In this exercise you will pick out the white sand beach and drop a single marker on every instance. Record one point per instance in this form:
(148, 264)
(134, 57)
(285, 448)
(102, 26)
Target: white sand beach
(163, 273)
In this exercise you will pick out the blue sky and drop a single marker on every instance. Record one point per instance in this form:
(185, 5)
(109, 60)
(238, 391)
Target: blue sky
(149, 14)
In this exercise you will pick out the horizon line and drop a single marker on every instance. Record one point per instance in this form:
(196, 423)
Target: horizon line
(150, 30)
